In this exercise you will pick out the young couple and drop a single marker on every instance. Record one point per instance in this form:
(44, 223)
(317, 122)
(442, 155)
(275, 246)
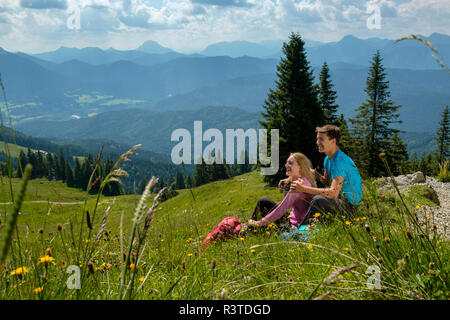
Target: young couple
(304, 197)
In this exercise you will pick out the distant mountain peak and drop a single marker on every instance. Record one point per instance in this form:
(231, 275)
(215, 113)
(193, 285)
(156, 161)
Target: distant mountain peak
(151, 46)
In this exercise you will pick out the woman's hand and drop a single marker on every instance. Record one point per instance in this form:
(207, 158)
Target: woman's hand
(298, 185)
(286, 182)
(252, 223)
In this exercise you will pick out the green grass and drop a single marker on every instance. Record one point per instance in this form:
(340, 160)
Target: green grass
(261, 266)
(14, 149)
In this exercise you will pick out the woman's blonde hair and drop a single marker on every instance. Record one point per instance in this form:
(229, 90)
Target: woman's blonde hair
(305, 166)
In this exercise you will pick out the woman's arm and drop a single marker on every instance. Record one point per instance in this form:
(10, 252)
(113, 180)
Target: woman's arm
(332, 192)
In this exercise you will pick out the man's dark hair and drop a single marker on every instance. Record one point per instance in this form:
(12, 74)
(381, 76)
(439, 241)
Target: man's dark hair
(332, 131)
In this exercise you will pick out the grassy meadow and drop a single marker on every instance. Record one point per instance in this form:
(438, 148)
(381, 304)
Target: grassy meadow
(119, 259)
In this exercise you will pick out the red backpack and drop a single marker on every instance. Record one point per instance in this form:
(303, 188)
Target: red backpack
(227, 228)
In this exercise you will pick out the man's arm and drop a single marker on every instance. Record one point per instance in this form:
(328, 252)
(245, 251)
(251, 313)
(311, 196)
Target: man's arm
(332, 192)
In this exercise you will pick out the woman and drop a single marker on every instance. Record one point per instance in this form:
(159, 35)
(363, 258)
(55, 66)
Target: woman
(298, 166)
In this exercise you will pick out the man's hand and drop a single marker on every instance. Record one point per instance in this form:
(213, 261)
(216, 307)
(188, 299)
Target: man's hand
(298, 185)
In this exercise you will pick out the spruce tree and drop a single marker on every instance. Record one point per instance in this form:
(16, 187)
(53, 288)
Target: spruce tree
(372, 124)
(443, 136)
(293, 107)
(180, 181)
(327, 97)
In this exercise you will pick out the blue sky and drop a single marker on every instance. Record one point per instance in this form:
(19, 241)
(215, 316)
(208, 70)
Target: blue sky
(190, 25)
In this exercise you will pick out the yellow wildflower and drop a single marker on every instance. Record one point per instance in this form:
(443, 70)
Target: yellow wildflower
(417, 207)
(46, 260)
(310, 247)
(38, 290)
(132, 266)
(189, 254)
(316, 215)
(428, 217)
(347, 223)
(252, 251)
(242, 239)
(19, 271)
(346, 249)
(48, 251)
(141, 279)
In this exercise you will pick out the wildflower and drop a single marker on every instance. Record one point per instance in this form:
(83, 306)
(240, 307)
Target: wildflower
(417, 206)
(363, 218)
(347, 249)
(316, 215)
(357, 219)
(19, 271)
(310, 247)
(132, 266)
(428, 217)
(267, 232)
(38, 290)
(347, 223)
(162, 240)
(242, 239)
(62, 266)
(383, 195)
(382, 155)
(46, 260)
(48, 251)
(141, 279)
(252, 251)
(408, 233)
(189, 254)
(189, 240)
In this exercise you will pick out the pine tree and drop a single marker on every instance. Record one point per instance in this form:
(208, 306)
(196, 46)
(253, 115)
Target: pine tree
(293, 107)
(327, 97)
(397, 156)
(180, 181)
(77, 174)
(201, 175)
(50, 166)
(346, 142)
(372, 124)
(68, 174)
(443, 136)
(189, 183)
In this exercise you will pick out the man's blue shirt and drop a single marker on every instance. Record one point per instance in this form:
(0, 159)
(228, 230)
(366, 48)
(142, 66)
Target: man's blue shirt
(343, 166)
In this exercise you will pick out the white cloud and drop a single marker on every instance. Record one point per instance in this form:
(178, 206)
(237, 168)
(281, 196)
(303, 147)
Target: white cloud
(193, 24)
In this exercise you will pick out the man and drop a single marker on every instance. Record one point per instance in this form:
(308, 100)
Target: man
(345, 191)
